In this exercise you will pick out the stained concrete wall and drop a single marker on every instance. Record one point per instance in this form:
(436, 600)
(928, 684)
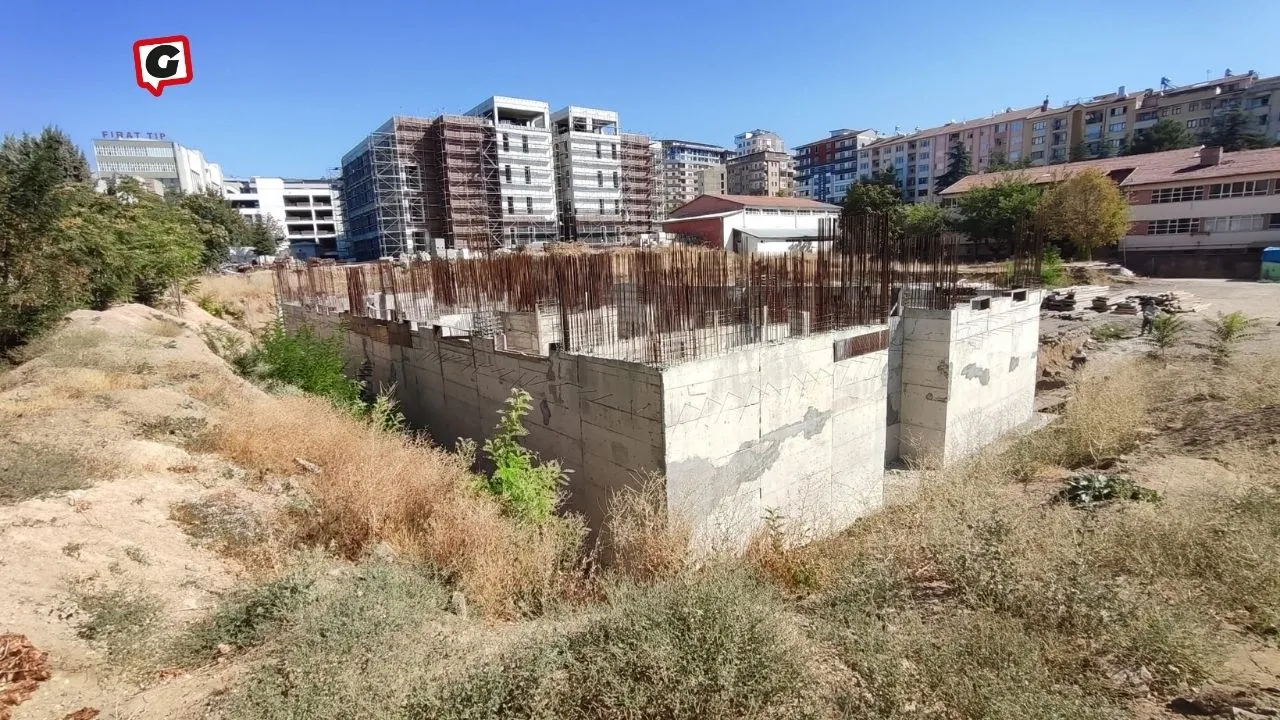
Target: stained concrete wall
(968, 374)
(602, 419)
(780, 427)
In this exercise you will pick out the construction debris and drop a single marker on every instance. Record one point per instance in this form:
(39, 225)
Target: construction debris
(22, 669)
(1069, 297)
(1068, 302)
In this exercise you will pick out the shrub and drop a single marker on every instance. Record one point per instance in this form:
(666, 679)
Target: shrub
(220, 309)
(243, 620)
(306, 361)
(1102, 420)
(123, 620)
(1167, 330)
(1083, 489)
(1051, 273)
(715, 645)
(646, 542)
(1227, 332)
(530, 488)
(30, 470)
(1106, 332)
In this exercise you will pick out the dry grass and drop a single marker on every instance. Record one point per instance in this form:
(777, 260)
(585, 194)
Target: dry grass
(376, 487)
(31, 470)
(1104, 419)
(161, 326)
(252, 295)
(646, 544)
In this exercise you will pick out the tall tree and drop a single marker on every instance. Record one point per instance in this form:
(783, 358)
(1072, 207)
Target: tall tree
(1000, 162)
(220, 226)
(867, 198)
(1079, 151)
(959, 165)
(1235, 130)
(885, 176)
(1086, 209)
(1165, 135)
(266, 235)
(37, 283)
(992, 214)
(923, 219)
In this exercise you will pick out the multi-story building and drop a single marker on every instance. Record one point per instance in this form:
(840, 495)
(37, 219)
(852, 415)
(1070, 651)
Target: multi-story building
(1198, 212)
(505, 174)
(826, 168)
(177, 168)
(682, 162)
(713, 180)
(754, 141)
(306, 210)
(588, 162)
(760, 165)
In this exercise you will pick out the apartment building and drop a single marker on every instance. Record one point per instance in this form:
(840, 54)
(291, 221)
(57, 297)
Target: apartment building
(307, 210)
(588, 162)
(682, 163)
(505, 174)
(713, 180)
(824, 169)
(175, 167)
(754, 141)
(1197, 212)
(761, 173)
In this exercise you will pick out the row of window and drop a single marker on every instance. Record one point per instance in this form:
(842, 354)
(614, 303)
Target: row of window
(1217, 191)
(149, 167)
(132, 151)
(1224, 224)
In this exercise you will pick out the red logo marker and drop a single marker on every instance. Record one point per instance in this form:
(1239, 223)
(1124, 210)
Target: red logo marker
(161, 62)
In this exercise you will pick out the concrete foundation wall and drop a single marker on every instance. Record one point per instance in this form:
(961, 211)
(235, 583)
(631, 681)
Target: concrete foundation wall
(602, 419)
(781, 428)
(968, 375)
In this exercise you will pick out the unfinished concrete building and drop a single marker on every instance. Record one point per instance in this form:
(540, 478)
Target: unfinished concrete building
(755, 386)
(639, 192)
(588, 152)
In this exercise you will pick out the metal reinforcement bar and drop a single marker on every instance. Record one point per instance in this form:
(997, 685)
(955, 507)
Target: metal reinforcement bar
(655, 306)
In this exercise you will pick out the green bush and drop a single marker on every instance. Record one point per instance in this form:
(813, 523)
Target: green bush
(244, 619)
(1106, 332)
(304, 360)
(529, 487)
(1227, 332)
(1051, 274)
(711, 646)
(1084, 489)
(1167, 330)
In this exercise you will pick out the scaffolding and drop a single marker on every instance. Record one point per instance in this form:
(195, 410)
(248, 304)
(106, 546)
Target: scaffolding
(638, 190)
(464, 197)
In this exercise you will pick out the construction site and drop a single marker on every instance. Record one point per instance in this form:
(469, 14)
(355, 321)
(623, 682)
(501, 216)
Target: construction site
(751, 383)
(499, 176)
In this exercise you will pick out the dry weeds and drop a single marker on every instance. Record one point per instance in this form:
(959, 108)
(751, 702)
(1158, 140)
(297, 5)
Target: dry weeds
(375, 487)
(646, 543)
(251, 294)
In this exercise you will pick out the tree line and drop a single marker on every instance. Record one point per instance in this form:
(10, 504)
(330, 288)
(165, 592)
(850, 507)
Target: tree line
(64, 245)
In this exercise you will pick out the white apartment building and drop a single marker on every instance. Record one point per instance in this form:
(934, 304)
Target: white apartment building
(307, 210)
(754, 141)
(682, 165)
(588, 174)
(174, 166)
(525, 167)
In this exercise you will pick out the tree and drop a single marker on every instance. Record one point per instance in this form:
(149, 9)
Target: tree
(219, 225)
(993, 213)
(868, 198)
(1235, 130)
(1000, 162)
(923, 219)
(37, 284)
(265, 235)
(1165, 135)
(1087, 209)
(885, 176)
(959, 165)
(1078, 152)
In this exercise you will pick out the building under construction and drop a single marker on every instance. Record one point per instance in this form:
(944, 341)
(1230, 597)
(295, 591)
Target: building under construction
(490, 179)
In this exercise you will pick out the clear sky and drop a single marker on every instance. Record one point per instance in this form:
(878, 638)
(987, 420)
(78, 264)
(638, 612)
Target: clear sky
(285, 88)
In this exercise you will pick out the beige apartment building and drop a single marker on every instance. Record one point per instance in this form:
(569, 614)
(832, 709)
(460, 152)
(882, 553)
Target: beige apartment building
(713, 181)
(767, 172)
(1045, 135)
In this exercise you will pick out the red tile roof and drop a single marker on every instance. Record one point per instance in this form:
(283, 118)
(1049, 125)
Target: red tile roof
(1138, 170)
(764, 201)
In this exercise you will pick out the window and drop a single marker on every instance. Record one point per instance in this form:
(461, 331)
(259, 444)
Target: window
(1117, 127)
(1037, 140)
(1178, 194)
(1248, 188)
(1234, 223)
(1060, 138)
(1177, 109)
(1180, 226)
(922, 193)
(506, 170)
(923, 181)
(615, 178)
(613, 150)
(617, 207)
(524, 143)
(602, 207)
(528, 205)
(924, 156)
(1194, 106)
(598, 154)
(1142, 116)
(528, 175)
(924, 143)
(1119, 111)
(864, 166)
(1015, 155)
(922, 169)
(1164, 112)
(511, 205)
(506, 143)
(600, 179)
(1037, 154)
(1275, 221)
(1193, 123)
(1037, 126)
(1093, 116)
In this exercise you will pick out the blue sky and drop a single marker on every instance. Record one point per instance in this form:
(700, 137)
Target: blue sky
(287, 88)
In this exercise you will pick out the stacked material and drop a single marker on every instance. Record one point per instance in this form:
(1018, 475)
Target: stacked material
(1174, 302)
(1102, 304)
(1067, 298)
